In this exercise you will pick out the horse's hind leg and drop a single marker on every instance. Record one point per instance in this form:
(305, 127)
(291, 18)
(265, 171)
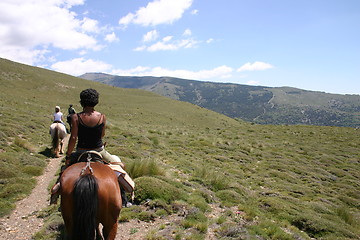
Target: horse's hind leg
(61, 146)
(109, 231)
(57, 152)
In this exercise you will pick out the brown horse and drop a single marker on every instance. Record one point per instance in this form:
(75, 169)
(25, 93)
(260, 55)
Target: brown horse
(90, 195)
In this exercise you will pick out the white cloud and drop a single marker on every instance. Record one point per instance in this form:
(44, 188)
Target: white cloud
(78, 66)
(210, 40)
(188, 43)
(187, 32)
(167, 38)
(140, 48)
(168, 44)
(157, 12)
(252, 82)
(212, 74)
(29, 28)
(162, 46)
(194, 12)
(130, 72)
(22, 54)
(127, 19)
(90, 25)
(82, 52)
(256, 66)
(151, 36)
(111, 37)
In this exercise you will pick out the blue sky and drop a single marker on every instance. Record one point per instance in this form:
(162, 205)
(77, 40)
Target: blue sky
(308, 44)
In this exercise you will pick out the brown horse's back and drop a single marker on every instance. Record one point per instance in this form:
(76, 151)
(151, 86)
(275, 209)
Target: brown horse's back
(109, 199)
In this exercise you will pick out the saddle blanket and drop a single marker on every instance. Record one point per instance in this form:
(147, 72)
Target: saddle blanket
(124, 178)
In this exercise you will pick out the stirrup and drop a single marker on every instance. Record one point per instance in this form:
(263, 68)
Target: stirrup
(53, 198)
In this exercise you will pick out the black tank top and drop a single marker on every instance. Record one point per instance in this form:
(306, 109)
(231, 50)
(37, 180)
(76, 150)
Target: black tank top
(90, 137)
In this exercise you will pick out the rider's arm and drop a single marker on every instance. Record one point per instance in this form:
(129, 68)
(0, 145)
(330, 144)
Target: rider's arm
(103, 131)
(73, 137)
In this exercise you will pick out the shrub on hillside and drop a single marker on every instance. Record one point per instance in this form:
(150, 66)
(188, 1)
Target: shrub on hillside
(229, 197)
(145, 167)
(154, 188)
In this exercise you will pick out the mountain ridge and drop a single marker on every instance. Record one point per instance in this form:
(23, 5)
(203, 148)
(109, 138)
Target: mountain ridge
(258, 104)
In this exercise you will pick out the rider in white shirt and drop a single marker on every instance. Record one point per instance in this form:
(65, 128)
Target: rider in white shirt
(58, 115)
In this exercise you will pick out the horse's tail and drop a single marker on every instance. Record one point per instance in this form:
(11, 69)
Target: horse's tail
(55, 139)
(85, 207)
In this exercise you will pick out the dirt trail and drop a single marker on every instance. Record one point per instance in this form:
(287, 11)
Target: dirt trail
(22, 223)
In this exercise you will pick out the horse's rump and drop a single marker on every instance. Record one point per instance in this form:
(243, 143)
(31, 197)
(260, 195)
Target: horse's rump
(106, 203)
(59, 129)
(58, 134)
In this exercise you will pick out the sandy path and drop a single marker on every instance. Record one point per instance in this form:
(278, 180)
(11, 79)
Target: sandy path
(22, 223)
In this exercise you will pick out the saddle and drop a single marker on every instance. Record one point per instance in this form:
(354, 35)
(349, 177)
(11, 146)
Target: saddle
(123, 177)
(90, 156)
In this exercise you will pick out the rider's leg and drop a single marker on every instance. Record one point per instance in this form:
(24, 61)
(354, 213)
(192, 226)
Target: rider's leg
(115, 160)
(55, 189)
(125, 201)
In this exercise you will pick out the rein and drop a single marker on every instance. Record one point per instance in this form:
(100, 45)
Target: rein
(87, 166)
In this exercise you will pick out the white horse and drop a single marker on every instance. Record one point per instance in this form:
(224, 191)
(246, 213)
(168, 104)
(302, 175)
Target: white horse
(58, 134)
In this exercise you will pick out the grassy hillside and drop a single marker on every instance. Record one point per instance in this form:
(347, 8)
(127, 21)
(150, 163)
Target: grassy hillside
(257, 104)
(273, 182)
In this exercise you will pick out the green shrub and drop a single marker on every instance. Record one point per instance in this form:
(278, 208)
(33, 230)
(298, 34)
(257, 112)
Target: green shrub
(196, 219)
(53, 228)
(154, 188)
(270, 230)
(32, 170)
(5, 206)
(345, 214)
(146, 216)
(214, 180)
(159, 204)
(229, 197)
(206, 194)
(231, 231)
(13, 190)
(161, 213)
(145, 167)
(24, 144)
(313, 226)
(199, 202)
(220, 220)
(129, 213)
(6, 171)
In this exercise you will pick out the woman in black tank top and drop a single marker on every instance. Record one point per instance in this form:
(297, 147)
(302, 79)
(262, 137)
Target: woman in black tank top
(88, 129)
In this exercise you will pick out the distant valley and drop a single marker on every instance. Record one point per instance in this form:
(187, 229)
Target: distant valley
(258, 104)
